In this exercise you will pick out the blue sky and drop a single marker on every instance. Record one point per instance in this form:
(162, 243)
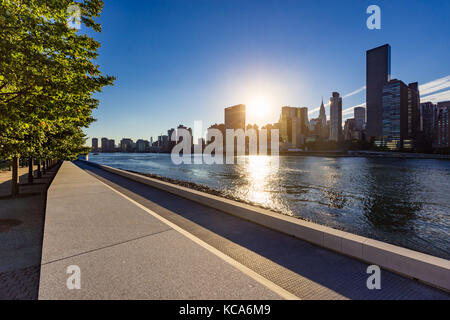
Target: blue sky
(181, 61)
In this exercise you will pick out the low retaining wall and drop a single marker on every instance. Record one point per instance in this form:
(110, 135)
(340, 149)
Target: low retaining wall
(426, 268)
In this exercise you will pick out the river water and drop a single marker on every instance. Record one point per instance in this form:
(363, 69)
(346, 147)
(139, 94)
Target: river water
(405, 202)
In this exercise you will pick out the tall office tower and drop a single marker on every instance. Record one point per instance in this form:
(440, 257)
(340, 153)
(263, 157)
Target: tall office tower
(378, 73)
(335, 117)
(442, 125)
(302, 114)
(349, 129)
(111, 145)
(427, 120)
(105, 144)
(235, 117)
(395, 114)
(94, 144)
(413, 132)
(293, 126)
(360, 118)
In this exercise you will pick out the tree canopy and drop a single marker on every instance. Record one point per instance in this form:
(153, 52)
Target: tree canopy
(48, 78)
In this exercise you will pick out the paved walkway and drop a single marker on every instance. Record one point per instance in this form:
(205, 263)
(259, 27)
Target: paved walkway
(21, 231)
(125, 252)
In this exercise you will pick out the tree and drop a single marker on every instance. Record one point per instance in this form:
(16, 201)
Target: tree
(47, 78)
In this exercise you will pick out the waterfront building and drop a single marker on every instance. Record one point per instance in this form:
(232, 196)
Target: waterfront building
(335, 117)
(142, 145)
(442, 125)
(293, 126)
(235, 117)
(304, 122)
(111, 145)
(94, 145)
(105, 144)
(413, 116)
(323, 121)
(378, 73)
(427, 120)
(349, 129)
(360, 118)
(401, 122)
(126, 145)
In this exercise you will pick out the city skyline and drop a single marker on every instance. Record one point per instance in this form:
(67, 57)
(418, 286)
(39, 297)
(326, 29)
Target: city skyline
(285, 62)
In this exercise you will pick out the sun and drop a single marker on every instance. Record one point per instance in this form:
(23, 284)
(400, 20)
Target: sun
(257, 111)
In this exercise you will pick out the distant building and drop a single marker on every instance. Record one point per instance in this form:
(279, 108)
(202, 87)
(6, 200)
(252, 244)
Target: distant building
(427, 119)
(401, 121)
(126, 145)
(142, 145)
(293, 126)
(323, 121)
(378, 73)
(413, 116)
(94, 145)
(235, 117)
(442, 125)
(335, 117)
(105, 145)
(111, 145)
(349, 129)
(360, 118)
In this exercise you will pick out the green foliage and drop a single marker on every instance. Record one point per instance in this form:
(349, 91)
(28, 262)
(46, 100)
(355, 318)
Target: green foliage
(48, 77)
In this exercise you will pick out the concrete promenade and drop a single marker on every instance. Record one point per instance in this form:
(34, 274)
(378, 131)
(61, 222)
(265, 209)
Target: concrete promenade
(133, 241)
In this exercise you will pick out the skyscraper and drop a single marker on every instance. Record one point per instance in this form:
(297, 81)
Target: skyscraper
(360, 117)
(294, 125)
(378, 73)
(235, 117)
(111, 145)
(335, 117)
(443, 125)
(349, 128)
(401, 114)
(322, 115)
(105, 145)
(304, 122)
(413, 130)
(427, 121)
(94, 144)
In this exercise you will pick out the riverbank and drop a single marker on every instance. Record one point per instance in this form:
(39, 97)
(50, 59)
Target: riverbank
(367, 154)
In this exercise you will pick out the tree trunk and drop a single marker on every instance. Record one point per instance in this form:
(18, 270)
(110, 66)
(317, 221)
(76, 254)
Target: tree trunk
(39, 173)
(15, 176)
(30, 170)
(44, 169)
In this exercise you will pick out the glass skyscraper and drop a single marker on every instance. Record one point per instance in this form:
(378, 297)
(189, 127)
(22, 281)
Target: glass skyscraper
(378, 73)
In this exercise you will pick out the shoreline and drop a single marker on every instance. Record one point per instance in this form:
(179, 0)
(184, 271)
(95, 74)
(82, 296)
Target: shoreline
(350, 154)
